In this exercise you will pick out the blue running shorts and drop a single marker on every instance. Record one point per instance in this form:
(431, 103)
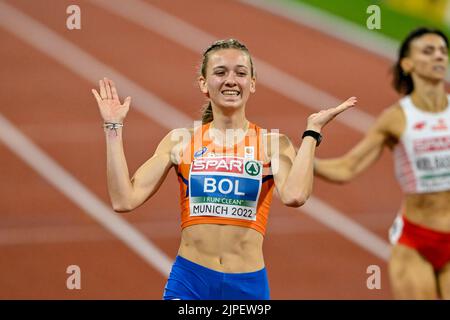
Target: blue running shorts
(191, 281)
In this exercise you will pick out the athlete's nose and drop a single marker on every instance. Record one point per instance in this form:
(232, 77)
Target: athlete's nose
(230, 80)
(440, 55)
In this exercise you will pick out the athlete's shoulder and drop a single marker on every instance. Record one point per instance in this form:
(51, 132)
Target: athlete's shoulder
(281, 138)
(391, 122)
(177, 136)
(394, 110)
(391, 115)
(177, 132)
(277, 143)
(175, 141)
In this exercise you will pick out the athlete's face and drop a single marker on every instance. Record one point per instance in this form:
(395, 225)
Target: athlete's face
(427, 58)
(228, 82)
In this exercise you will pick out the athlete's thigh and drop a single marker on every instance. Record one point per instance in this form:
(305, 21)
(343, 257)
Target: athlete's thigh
(411, 275)
(444, 281)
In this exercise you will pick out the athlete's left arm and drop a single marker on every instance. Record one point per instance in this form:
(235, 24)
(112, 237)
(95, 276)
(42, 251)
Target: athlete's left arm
(294, 173)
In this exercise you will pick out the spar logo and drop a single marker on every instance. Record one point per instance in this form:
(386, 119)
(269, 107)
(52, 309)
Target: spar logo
(252, 168)
(225, 164)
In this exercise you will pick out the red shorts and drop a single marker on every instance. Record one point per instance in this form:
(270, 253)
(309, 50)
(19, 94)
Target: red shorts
(432, 245)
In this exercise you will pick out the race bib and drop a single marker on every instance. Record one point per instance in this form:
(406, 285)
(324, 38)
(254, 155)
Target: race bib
(225, 187)
(434, 172)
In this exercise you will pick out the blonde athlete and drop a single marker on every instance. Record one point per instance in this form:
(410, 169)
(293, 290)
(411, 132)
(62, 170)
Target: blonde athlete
(417, 130)
(227, 169)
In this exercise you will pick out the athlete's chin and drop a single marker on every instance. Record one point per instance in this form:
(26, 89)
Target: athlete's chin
(231, 104)
(436, 76)
(436, 80)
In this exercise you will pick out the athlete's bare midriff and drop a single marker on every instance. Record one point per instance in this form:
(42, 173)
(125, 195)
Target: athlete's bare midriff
(224, 248)
(431, 210)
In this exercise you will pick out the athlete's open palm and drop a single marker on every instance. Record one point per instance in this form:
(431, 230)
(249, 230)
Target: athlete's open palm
(108, 102)
(320, 119)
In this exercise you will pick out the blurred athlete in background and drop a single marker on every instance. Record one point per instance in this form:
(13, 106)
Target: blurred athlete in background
(417, 130)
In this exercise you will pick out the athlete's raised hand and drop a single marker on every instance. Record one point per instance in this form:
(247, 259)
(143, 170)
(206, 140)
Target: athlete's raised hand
(318, 120)
(108, 102)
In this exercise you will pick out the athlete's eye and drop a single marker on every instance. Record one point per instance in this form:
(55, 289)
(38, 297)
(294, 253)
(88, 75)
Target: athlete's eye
(428, 50)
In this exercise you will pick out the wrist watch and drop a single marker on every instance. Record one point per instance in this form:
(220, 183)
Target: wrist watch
(313, 134)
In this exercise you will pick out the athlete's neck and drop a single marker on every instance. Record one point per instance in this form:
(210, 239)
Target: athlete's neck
(228, 129)
(430, 97)
(233, 119)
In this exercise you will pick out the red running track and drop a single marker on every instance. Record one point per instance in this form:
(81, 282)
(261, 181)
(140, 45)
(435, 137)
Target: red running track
(43, 232)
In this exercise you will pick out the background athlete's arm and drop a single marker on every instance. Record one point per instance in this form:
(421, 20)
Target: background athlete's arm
(293, 173)
(366, 152)
(125, 193)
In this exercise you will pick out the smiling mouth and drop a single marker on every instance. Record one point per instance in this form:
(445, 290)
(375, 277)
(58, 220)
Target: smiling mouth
(230, 93)
(439, 68)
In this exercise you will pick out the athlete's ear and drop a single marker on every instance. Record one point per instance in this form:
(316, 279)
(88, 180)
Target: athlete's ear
(253, 85)
(407, 65)
(202, 84)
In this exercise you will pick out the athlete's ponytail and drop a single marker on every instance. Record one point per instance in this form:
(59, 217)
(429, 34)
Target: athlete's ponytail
(207, 113)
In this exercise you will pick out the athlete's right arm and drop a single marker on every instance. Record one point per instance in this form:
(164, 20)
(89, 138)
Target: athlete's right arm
(127, 194)
(383, 133)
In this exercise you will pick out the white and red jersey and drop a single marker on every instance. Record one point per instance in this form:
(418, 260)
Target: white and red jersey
(422, 156)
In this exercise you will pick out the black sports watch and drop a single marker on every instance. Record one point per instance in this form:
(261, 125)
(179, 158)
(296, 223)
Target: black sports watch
(313, 134)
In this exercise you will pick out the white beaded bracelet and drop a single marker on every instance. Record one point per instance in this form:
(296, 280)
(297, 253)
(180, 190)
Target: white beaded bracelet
(113, 126)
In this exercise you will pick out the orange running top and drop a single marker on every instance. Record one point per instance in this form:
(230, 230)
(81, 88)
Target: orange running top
(221, 185)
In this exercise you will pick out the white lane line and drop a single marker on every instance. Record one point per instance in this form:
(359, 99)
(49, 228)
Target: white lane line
(195, 39)
(332, 25)
(62, 180)
(88, 67)
(335, 220)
